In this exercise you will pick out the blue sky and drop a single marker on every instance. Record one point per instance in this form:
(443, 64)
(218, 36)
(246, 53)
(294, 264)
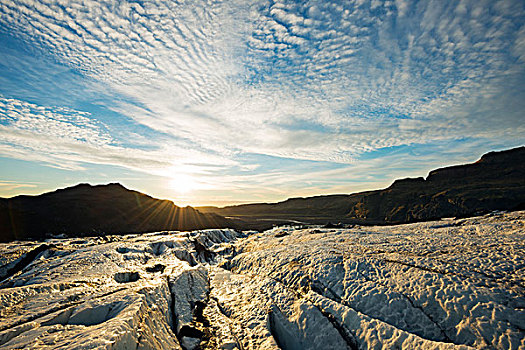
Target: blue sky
(218, 102)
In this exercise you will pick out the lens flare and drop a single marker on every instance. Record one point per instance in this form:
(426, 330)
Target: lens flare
(183, 183)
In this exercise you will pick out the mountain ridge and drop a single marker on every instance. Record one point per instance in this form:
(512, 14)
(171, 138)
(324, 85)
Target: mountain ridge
(495, 182)
(86, 209)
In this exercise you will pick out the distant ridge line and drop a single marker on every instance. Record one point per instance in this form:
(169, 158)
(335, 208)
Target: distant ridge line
(495, 182)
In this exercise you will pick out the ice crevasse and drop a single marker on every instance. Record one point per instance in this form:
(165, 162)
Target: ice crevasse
(434, 285)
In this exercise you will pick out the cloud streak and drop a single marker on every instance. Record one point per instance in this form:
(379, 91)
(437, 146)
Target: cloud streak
(66, 139)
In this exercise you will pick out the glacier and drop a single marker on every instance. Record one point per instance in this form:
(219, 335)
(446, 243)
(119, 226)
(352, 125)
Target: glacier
(447, 284)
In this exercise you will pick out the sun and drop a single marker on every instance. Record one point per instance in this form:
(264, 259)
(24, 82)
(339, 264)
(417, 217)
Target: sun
(183, 183)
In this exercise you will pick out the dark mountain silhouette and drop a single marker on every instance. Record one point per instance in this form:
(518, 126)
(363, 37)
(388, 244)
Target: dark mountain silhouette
(495, 182)
(97, 210)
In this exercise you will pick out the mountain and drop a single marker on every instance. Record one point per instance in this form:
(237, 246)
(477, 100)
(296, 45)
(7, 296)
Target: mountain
(95, 210)
(495, 182)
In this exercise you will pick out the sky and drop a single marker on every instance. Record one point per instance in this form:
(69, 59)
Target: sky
(209, 102)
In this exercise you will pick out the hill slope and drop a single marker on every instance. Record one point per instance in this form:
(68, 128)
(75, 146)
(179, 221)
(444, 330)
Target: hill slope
(102, 209)
(495, 182)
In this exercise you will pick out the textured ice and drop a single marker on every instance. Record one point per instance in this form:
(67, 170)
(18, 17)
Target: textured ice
(449, 284)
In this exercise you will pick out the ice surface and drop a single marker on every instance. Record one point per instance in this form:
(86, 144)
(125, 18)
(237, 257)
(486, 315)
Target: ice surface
(435, 285)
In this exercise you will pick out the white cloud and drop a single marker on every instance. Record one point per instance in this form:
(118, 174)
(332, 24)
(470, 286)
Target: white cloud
(67, 139)
(6, 186)
(58, 123)
(317, 80)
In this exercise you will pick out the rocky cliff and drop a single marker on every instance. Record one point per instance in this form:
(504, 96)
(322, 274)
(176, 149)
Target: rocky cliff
(495, 182)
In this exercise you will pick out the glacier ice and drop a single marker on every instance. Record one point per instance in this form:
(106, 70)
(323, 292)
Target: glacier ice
(434, 285)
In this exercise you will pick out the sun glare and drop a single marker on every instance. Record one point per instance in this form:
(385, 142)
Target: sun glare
(183, 183)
